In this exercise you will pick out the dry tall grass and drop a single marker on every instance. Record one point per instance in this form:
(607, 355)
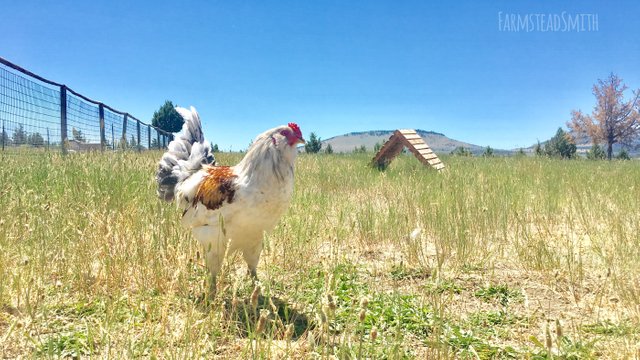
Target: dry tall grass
(493, 258)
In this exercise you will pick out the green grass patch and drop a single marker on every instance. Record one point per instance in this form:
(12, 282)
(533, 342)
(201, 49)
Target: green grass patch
(468, 346)
(443, 287)
(501, 293)
(74, 345)
(609, 328)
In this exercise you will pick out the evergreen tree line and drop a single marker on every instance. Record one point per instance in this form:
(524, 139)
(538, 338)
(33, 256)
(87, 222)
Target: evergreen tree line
(21, 137)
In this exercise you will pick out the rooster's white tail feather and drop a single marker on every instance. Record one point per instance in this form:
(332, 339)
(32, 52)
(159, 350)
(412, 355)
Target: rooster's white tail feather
(186, 154)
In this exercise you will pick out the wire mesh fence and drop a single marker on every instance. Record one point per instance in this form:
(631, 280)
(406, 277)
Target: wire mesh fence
(113, 127)
(41, 114)
(29, 111)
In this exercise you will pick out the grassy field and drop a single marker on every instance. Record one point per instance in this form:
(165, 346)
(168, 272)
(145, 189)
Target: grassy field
(493, 258)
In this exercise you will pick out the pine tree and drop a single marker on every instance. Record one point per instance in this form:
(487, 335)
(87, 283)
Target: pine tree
(313, 145)
(328, 149)
(488, 152)
(167, 118)
(561, 145)
(539, 151)
(4, 139)
(19, 136)
(35, 139)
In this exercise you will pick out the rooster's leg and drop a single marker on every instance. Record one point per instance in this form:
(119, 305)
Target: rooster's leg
(212, 280)
(252, 257)
(214, 262)
(214, 246)
(214, 256)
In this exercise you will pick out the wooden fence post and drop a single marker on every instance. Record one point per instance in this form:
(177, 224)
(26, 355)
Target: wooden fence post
(103, 138)
(63, 118)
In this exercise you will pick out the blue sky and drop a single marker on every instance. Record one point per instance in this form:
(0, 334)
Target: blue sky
(332, 66)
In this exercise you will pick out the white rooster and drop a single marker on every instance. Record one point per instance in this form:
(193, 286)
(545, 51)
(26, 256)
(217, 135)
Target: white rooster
(229, 205)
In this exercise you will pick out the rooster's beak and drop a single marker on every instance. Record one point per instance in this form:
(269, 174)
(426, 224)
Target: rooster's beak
(301, 141)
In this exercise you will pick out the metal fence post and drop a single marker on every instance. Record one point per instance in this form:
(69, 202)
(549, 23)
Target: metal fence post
(148, 137)
(113, 139)
(157, 139)
(103, 138)
(48, 140)
(4, 134)
(63, 118)
(124, 132)
(139, 145)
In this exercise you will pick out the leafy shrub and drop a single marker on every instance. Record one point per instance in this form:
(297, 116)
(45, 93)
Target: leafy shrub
(623, 155)
(596, 153)
(461, 151)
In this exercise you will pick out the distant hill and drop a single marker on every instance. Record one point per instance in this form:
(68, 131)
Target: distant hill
(437, 141)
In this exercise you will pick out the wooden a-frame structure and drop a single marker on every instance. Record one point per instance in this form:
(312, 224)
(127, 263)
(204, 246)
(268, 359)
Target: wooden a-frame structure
(406, 138)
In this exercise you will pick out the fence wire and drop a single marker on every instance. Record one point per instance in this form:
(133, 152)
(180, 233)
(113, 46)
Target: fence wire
(132, 133)
(113, 128)
(82, 128)
(39, 113)
(29, 112)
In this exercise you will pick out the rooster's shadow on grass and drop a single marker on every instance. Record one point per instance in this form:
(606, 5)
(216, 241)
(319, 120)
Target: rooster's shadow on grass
(281, 314)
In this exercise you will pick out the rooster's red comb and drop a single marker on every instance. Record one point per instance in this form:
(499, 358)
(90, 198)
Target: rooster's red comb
(296, 129)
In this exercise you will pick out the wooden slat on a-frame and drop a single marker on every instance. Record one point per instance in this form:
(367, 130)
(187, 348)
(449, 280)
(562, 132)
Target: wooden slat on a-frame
(410, 139)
